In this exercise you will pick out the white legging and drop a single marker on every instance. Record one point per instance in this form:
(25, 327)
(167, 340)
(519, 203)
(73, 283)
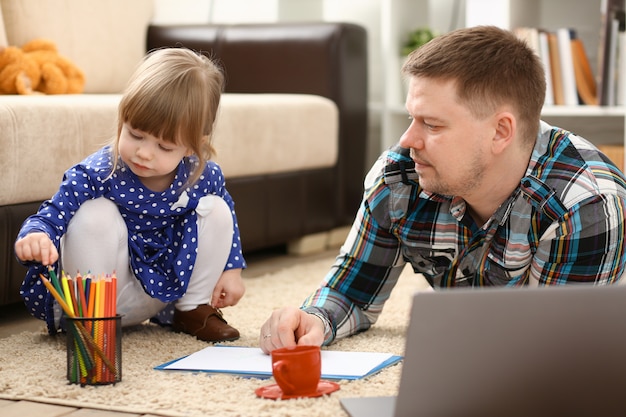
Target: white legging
(97, 240)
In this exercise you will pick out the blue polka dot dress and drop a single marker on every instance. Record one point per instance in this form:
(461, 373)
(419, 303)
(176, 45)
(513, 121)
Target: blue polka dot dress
(162, 231)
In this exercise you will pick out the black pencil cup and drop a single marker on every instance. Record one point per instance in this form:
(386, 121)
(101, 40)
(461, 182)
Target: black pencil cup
(94, 350)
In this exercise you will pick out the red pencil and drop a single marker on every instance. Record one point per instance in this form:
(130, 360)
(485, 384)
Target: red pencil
(82, 301)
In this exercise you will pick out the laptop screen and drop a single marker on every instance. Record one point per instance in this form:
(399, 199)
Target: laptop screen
(558, 351)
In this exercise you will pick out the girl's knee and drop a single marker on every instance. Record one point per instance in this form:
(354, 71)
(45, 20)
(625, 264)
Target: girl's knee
(214, 209)
(214, 218)
(96, 217)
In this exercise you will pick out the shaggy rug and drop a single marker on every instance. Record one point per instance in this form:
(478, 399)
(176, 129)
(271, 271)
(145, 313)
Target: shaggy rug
(33, 365)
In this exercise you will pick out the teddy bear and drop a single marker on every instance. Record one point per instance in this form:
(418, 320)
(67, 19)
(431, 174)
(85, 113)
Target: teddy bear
(18, 74)
(37, 68)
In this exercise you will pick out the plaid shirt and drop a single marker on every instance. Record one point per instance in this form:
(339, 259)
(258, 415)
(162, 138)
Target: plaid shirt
(563, 224)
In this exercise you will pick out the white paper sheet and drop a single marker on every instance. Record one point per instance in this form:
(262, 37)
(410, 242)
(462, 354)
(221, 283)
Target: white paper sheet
(249, 361)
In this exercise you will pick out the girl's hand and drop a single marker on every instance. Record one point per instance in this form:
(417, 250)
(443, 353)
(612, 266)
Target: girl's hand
(229, 289)
(36, 247)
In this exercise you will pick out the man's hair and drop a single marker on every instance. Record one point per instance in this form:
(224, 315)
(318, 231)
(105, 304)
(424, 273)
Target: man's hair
(174, 95)
(491, 67)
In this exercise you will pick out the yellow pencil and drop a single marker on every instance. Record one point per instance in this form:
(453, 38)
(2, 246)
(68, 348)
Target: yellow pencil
(66, 292)
(97, 326)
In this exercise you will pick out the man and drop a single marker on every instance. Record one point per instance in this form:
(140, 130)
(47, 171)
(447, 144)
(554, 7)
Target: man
(478, 192)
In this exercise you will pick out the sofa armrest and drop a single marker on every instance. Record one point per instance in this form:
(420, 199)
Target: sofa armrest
(326, 59)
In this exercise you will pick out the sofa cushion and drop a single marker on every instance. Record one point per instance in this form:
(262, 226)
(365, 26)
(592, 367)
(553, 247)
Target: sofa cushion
(260, 134)
(104, 38)
(42, 136)
(256, 134)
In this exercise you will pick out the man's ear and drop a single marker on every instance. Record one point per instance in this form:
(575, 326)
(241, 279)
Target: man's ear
(505, 131)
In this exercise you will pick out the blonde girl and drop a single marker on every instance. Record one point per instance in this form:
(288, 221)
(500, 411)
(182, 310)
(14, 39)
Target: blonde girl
(151, 206)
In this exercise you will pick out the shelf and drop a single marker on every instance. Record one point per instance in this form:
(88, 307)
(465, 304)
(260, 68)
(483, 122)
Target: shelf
(599, 124)
(398, 18)
(586, 111)
(560, 111)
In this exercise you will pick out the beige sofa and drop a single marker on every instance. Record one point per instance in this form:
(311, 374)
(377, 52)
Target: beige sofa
(290, 135)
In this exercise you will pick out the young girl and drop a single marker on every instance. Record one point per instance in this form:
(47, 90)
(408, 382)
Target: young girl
(151, 206)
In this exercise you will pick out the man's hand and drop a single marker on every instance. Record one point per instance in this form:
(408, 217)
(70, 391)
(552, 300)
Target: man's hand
(289, 326)
(37, 247)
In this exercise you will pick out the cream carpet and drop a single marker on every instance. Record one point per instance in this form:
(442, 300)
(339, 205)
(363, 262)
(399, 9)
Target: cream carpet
(33, 365)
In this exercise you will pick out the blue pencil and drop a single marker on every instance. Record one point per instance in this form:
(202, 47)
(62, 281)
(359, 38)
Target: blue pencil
(87, 290)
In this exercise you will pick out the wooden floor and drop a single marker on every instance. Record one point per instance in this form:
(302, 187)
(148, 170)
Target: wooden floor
(14, 319)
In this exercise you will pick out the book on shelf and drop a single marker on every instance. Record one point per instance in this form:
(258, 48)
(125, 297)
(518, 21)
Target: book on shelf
(564, 40)
(537, 39)
(621, 69)
(569, 76)
(585, 80)
(613, 16)
(557, 72)
(544, 54)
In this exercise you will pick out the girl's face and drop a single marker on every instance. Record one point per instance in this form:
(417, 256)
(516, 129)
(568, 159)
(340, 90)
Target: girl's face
(152, 159)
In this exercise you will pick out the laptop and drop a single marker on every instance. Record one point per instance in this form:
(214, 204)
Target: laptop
(498, 352)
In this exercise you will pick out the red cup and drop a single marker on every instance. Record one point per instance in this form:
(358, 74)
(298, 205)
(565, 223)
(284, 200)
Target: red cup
(297, 370)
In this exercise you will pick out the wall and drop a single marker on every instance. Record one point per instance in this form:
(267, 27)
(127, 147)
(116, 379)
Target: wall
(443, 15)
(236, 11)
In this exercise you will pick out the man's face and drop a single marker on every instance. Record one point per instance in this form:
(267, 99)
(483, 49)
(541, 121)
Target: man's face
(450, 146)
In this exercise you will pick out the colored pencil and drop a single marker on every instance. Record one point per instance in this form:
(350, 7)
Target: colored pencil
(54, 279)
(91, 303)
(89, 298)
(82, 301)
(66, 293)
(87, 294)
(86, 336)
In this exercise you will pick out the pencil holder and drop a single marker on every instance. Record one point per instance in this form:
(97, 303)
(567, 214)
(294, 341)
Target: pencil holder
(94, 350)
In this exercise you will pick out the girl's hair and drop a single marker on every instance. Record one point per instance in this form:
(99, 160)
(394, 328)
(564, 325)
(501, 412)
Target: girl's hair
(491, 67)
(174, 95)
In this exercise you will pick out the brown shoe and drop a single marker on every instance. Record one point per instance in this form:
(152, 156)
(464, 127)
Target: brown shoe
(206, 323)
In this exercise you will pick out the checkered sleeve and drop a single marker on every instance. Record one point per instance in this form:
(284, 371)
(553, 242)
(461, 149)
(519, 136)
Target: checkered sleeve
(369, 264)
